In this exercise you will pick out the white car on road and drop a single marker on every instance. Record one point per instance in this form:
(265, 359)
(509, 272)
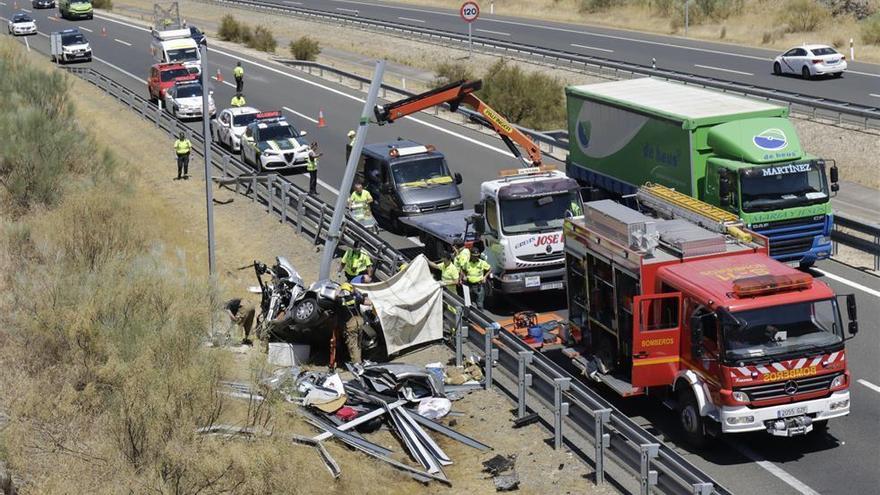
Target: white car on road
(271, 143)
(21, 24)
(184, 99)
(810, 61)
(230, 124)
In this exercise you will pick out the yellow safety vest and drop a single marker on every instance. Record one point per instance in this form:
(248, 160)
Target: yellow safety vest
(182, 147)
(356, 263)
(237, 101)
(312, 163)
(238, 72)
(363, 197)
(474, 271)
(449, 273)
(462, 257)
(575, 209)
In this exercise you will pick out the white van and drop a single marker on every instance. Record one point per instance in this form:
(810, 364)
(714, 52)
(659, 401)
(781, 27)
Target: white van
(176, 45)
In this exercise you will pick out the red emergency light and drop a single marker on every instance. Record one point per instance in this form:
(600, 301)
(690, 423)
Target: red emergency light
(770, 284)
(186, 79)
(274, 114)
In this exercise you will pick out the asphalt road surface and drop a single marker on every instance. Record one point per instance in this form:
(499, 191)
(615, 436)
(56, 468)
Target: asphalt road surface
(861, 83)
(844, 461)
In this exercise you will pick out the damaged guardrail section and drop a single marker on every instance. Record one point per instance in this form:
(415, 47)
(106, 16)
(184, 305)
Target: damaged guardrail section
(579, 414)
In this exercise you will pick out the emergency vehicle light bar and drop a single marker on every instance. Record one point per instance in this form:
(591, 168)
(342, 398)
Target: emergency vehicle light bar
(192, 78)
(274, 114)
(412, 150)
(770, 284)
(510, 172)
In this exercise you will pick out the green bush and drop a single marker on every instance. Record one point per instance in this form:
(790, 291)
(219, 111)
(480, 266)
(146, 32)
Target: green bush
(448, 72)
(590, 6)
(103, 4)
(305, 48)
(870, 29)
(262, 40)
(803, 16)
(230, 29)
(529, 99)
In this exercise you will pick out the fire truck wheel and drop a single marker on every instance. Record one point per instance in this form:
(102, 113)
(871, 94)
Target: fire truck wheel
(692, 423)
(820, 427)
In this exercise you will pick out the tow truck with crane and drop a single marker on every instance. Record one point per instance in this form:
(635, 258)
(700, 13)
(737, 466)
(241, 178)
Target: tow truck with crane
(685, 303)
(518, 220)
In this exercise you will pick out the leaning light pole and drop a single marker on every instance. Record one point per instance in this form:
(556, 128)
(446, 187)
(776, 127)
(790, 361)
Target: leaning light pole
(206, 137)
(334, 233)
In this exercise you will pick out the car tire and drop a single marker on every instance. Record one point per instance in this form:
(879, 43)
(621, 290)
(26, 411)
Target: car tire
(689, 419)
(306, 311)
(838, 75)
(805, 73)
(777, 69)
(174, 113)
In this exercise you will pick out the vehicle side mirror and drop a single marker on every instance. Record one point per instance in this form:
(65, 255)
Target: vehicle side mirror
(302, 133)
(851, 310)
(835, 174)
(478, 208)
(697, 336)
(853, 327)
(479, 224)
(457, 178)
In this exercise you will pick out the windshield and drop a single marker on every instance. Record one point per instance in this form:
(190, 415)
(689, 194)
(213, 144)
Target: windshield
(21, 18)
(172, 74)
(419, 170)
(189, 90)
(276, 132)
(183, 55)
(545, 213)
(81, 2)
(73, 39)
(782, 186)
(243, 119)
(801, 327)
(824, 51)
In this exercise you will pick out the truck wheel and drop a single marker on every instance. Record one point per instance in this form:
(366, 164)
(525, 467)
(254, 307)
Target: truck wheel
(306, 311)
(690, 420)
(806, 265)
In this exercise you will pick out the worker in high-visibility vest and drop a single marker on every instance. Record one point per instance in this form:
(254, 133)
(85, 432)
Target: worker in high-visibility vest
(474, 274)
(461, 253)
(450, 273)
(238, 73)
(575, 206)
(360, 197)
(182, 148)
(312, 168)
(356, 263)
(237, 100)
(350, 145)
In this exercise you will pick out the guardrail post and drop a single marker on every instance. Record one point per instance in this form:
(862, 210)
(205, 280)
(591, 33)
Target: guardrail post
(224, 166)
(603, 441)
(320, 224)
(254, 187)
(648, 452)
(300, 212)
(523, 380)
(703, 488)
(877, 256)
(490, 353)
(270, 195)
(461, 333)
(560, 409)
(283, 213)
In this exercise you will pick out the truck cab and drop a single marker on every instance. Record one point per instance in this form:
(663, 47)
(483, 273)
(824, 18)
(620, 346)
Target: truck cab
(75, 9)
(406, 178)
(176, 46)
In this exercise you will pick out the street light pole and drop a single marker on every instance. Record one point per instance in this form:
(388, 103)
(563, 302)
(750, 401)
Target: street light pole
(206, 134)
(686, 12)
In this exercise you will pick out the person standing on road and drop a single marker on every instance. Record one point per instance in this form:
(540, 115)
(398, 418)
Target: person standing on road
(238, 73)
(312, 168)
(350, 145)
(475, 273)
(182, 147)
(237, 100)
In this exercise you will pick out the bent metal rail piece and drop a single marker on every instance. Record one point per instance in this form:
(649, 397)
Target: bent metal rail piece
(580, 415)
(866, 116)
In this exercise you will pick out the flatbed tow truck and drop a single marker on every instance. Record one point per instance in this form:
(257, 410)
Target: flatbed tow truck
(685, 304)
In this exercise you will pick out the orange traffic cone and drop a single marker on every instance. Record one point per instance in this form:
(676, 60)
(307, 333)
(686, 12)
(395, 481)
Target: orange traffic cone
(104, 32)
(219, 76)
(321, 121)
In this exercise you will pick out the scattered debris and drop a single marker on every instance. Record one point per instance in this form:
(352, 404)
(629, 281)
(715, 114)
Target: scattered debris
(501, 468)
(434, 407)
(325, 456)
(526, 420)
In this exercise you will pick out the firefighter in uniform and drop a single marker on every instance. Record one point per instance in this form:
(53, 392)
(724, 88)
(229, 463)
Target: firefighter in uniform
(182, 147)
(238, 73)
(350, 317)
(474, 274)
(237, 100)
(312, 168)
(356, 262)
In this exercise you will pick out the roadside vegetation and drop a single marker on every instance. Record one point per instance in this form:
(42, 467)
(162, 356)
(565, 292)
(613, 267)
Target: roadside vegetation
(261, 38)
(305, 48)
(103, 4)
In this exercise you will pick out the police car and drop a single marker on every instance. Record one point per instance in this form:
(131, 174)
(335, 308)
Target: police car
(230, 124)
(21, 24)
(271, 143)
(184, 99)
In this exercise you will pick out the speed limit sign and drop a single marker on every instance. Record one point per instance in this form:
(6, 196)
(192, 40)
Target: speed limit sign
(469, 11)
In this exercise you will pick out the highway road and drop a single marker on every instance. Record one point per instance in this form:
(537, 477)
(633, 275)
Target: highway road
(844, 461)
(860, 85)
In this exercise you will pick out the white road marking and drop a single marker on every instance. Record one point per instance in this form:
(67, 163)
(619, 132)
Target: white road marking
(875, 95)
(775, 470)
(592, 48)
(85, 29)
(500, 33)
(225, 82)
(27, 10)
(3, 3)
(410, 19)
(347, 10)
(120, 41)
(862, 73)
(331, 90)
(292, 3)
(722, 69)
(875, 388)
(314, 121)
(852, 284)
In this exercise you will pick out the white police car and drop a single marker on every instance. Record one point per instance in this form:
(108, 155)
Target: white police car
(271, 143)
(21, 24)
(184, 99)
(809, 61)
(230, 124)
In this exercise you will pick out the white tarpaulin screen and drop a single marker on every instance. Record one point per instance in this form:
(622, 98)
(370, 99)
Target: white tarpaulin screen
(409, 306)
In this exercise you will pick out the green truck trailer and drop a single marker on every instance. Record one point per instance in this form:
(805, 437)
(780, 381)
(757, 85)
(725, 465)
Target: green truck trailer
(736, 153)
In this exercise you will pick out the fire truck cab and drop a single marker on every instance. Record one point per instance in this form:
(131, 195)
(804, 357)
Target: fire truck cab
(686, 305)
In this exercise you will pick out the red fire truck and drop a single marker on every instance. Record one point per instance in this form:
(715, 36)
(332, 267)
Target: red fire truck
(684, 304)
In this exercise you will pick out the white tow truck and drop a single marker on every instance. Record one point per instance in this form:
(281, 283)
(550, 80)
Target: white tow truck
(176, 46)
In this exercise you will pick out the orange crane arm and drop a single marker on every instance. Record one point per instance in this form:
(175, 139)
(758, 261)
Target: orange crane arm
(456, 94)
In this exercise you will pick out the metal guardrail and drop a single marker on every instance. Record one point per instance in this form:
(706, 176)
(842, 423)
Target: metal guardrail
(579, 413)
(842, 112)
(841, 236)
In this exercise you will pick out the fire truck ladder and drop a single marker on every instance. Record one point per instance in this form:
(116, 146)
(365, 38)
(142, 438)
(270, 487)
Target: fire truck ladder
(673, 204)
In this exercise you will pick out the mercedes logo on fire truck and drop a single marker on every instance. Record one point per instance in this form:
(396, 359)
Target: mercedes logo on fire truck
(791, 388)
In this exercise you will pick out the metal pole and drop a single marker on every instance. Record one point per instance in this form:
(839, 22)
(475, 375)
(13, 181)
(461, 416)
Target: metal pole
(470, 39)
(603, 441)
(686, 11)
(523, 381)
(348, 177)
(206, 135)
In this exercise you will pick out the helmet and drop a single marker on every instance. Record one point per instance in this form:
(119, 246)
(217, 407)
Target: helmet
(346, 287)
(351, 134)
